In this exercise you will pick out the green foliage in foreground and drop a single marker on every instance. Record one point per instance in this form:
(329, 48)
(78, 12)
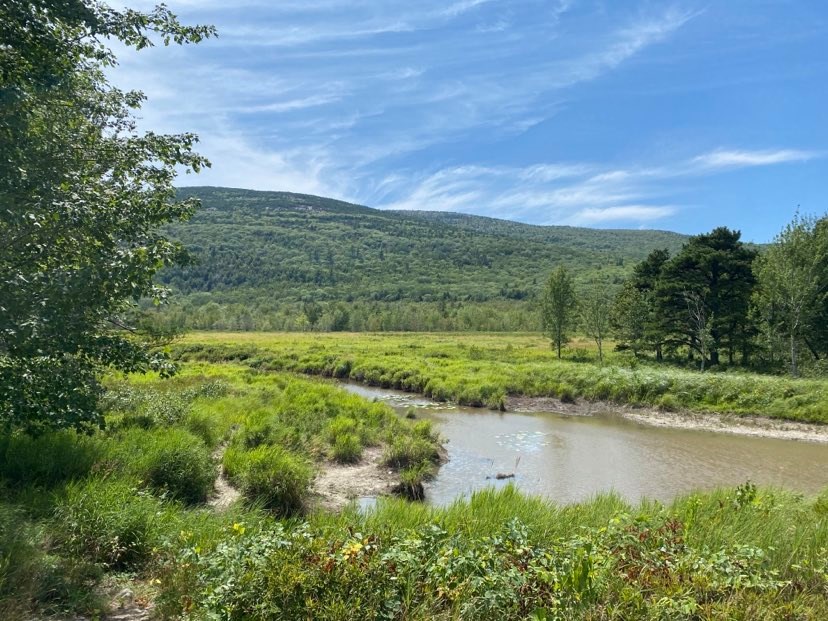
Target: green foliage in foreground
(483, 370)
(742, 553)
(77, 509)
(733, 554)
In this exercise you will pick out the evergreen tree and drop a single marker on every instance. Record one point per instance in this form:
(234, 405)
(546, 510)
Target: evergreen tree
(716, 268)
(646, 279)
(630, 315)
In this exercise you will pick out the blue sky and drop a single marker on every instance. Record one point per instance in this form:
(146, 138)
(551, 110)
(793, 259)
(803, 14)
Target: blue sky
(677, 115)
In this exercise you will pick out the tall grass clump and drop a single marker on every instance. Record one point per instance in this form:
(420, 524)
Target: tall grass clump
(169, 461)
(346, 446)
(49, 459)
(270, 476)
(110, 522)
(19, 562)
(32, 576)
(404, 451)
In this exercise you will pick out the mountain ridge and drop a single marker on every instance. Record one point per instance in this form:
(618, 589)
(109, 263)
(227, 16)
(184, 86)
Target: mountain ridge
(271, 252)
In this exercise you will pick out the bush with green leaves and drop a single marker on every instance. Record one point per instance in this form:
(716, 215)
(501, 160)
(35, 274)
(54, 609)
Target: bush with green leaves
(448, 564)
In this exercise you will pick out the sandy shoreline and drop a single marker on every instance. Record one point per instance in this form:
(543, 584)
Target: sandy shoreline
(755, 426)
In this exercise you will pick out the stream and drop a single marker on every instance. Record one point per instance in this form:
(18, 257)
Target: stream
(569, 458)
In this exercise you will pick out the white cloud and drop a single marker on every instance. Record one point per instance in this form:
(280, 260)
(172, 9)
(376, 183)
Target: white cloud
(335, 109)
(723, 158)
(625, 213)
(292, 104)
(566, 192)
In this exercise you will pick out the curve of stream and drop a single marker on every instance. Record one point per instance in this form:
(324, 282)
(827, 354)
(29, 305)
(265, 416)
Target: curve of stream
(570, 458)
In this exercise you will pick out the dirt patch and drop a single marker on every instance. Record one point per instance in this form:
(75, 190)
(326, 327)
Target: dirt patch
(224, 494)
(756, 426)
(125, 606)
(337, 485)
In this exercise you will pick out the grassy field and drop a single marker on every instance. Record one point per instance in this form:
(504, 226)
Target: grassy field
(82, 516)
(77, 508)
(483, 369)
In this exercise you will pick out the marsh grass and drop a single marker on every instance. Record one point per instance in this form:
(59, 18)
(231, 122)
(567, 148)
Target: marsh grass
(76, 508)
(170, 461)
(270, 476)
(482, 369)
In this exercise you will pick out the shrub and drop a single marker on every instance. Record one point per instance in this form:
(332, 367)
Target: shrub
(109, 522)
(171, 461)
(271, 476)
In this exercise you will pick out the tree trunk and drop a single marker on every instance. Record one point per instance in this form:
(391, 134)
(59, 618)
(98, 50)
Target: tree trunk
(794, 370)
(810, 347)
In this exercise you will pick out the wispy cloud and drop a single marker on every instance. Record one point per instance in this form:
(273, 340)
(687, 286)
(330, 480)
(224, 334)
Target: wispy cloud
(723, 158)
(621, 213)
(563, 192)
(415, 105)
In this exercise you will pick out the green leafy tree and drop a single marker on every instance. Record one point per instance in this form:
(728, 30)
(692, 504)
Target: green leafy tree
(596, 304)
(82, 194)
(629, 317)
(701, 323)
(817, 338)
(793, 283)
(559, 308)
(312, 312)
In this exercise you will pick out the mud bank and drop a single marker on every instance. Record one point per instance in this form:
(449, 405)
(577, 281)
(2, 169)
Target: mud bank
(337, 485)
(754, 426)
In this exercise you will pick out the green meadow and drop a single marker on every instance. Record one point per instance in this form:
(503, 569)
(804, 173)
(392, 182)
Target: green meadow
(136, 504)
(484, 369)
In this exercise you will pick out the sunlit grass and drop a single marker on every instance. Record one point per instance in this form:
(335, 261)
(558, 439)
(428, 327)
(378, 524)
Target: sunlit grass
(484, 369)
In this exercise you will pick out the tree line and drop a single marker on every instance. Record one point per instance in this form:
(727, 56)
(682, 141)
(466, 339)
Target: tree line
(716, 301)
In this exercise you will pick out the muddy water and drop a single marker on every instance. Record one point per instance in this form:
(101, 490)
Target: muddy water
(570, 458)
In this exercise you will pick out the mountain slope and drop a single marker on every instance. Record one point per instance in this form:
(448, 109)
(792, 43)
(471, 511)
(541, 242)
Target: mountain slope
(293, 247)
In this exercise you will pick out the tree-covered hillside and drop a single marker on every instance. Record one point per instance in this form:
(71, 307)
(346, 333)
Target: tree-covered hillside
(297, 247)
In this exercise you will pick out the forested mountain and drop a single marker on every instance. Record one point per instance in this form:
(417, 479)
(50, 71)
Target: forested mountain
(297, 247)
